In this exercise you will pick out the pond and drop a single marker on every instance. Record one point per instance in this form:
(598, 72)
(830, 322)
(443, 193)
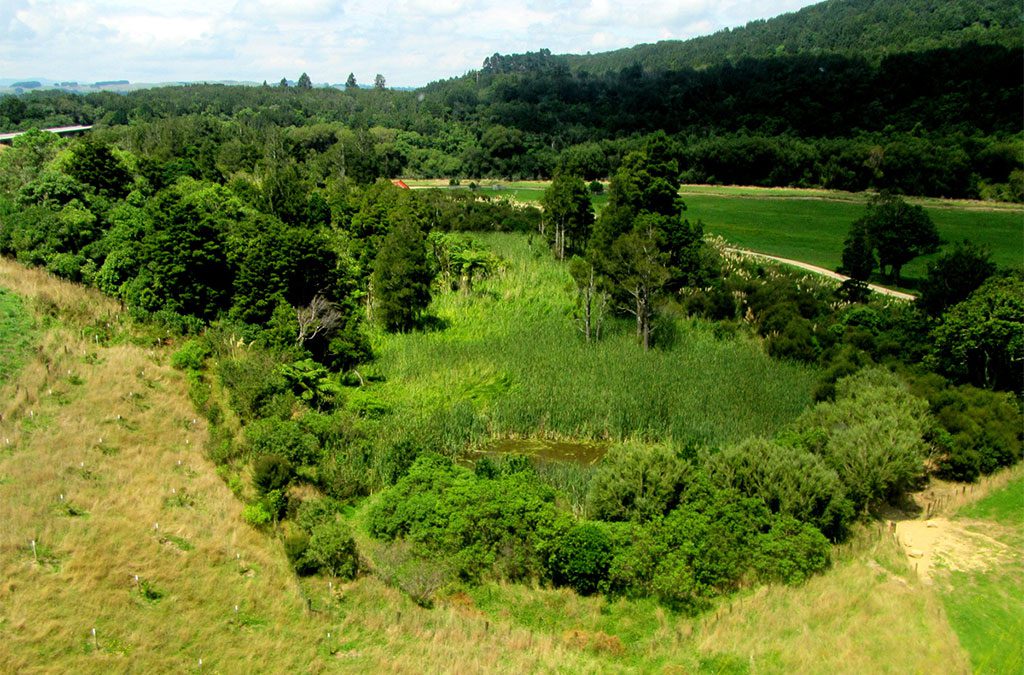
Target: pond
(581, 454)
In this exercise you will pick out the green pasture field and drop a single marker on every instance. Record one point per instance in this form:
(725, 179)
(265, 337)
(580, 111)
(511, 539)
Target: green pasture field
(810, 225)
(986, 606)
(511, 363)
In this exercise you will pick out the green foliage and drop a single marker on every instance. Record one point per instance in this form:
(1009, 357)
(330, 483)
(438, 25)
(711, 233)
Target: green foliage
(789, 480)
(332, 550)
(954, 275)
(285, 438)
(580, 558)
(568, 214)
(191, 355)
(873, 435)
(981, 431)
(481, 526)
(790, 552)
(257, 514)
(858, 255)
(96, 165)
(271, 472)
(255, 386)
(311, 383)
(981, 340)
(636, 483)
(401, 279)
(896, 231)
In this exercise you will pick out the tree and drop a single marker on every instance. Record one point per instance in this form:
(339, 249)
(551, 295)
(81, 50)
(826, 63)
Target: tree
(641, 243)
(379, 82)
(95, 164)
(401, 278)
(898, 232)
(954, 275)
(304, 82)
(350, 83)
(283, 83)
(858, 258)
(591, 298)
(981, 340)
(568, 214)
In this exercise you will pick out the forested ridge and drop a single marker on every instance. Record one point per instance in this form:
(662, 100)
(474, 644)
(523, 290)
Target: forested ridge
(936, 118)
(867, 28)
(349, 341)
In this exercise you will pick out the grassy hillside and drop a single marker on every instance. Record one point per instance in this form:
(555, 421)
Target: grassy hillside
(14, 334)
(984, 590)
(106, 472)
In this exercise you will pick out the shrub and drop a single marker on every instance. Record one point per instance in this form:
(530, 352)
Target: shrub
(256, 388)
(981, 430)
(191, 355)
(273, 436)
(873, 435)
(332, 550)
(478, 525)
(296, 544)
(581, 558)
(635, 482)
(272, 472)
(256, 514)
(790, 552)
(313, 512)
(789, 480)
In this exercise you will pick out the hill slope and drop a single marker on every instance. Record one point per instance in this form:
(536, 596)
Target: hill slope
(867, 28)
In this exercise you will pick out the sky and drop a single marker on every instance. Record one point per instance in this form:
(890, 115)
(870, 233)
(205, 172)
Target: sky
(410, 42)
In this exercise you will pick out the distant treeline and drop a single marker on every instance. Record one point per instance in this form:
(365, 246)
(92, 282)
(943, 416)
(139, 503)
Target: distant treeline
(941, 122)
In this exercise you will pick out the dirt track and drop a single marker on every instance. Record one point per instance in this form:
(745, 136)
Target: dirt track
(820, 270)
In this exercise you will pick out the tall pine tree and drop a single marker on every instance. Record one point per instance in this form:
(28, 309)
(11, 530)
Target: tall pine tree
(400, 284)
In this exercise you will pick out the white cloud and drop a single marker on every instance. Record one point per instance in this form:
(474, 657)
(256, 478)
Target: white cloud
(410, 41)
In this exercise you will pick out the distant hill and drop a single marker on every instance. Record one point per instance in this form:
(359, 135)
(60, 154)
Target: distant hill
(866, 28)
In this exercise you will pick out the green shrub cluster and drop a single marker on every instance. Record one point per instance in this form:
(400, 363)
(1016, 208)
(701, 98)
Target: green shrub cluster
(320, 542)
(483, 526)
(684, 542)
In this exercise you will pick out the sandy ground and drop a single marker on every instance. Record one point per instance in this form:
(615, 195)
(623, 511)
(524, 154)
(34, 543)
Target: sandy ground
(941, 543)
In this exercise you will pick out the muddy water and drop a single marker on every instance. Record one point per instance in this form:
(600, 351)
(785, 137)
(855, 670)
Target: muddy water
(583, 454)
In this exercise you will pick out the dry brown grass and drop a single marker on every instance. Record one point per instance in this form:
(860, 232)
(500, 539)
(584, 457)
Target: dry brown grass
(109, 431)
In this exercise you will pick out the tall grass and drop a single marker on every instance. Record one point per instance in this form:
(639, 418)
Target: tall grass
(15, 329)
(511, 363)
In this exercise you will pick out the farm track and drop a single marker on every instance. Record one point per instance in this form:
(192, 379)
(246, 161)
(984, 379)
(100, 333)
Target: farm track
(822, 271)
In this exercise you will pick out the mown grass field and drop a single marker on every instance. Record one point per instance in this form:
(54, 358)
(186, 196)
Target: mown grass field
(810, 225)
(511, 363)
(986, 605)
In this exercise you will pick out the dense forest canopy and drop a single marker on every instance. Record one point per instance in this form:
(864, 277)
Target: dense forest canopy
(936, 116)
(867, 28)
